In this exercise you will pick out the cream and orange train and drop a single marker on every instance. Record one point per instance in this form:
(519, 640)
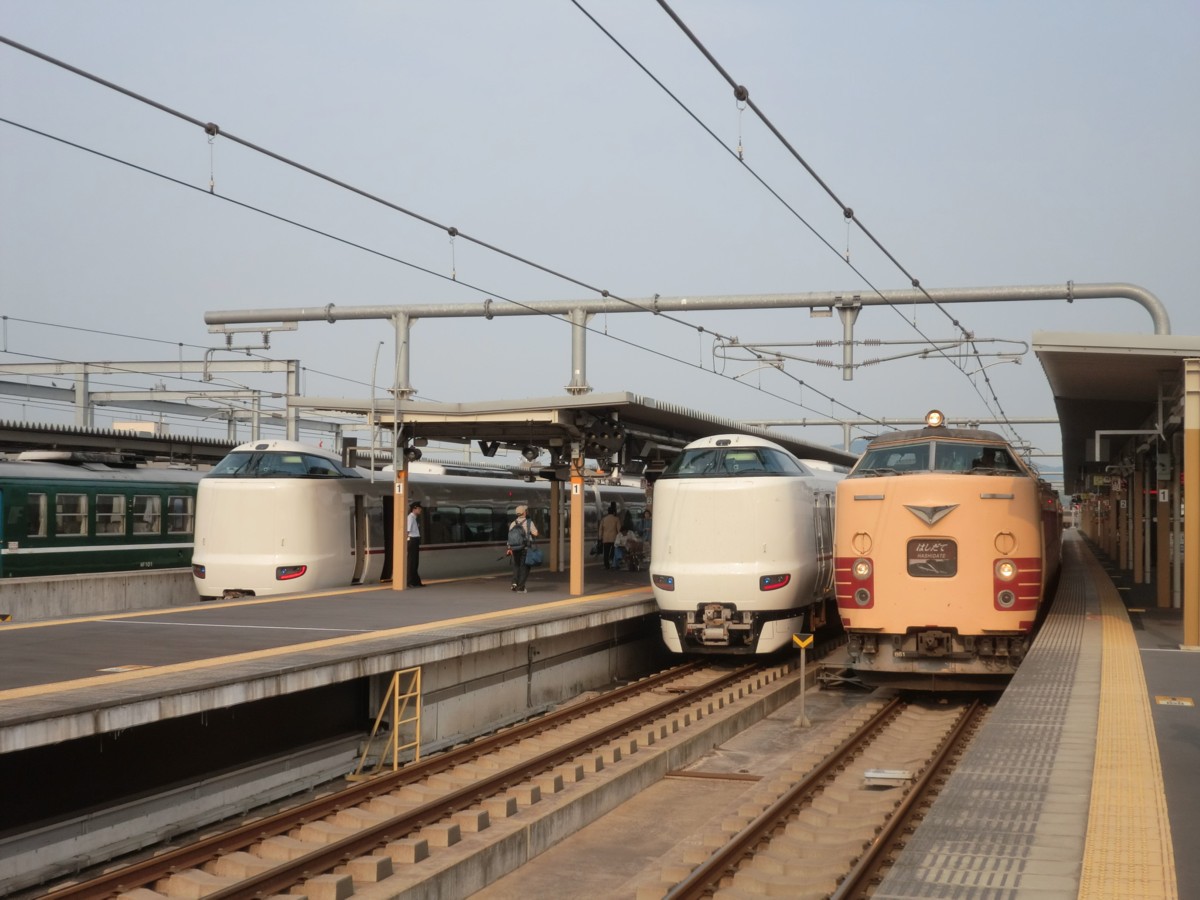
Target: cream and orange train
(946, 545)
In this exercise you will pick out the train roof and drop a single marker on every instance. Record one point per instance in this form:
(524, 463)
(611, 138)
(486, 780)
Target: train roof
(29, 470)
(939, 432)
(277, 446)
(735, 440)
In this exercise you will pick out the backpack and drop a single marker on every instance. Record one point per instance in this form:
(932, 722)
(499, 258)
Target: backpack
(518, 537)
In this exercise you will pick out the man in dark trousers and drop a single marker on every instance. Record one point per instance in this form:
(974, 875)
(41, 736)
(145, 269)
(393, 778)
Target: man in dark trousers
(414, 544)
(610, 525)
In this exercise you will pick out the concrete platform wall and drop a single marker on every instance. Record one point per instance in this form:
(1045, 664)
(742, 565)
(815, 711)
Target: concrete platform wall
(65, 596)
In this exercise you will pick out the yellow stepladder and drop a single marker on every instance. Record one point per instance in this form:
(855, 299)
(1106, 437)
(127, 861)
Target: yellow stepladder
(399, 697)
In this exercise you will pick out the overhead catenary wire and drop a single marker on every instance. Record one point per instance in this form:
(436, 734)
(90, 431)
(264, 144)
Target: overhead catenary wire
(742, 95)
(213, 130)
(251, 208)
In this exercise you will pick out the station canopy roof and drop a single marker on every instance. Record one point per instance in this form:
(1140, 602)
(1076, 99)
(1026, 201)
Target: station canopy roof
(1111, 383)
(631, 427)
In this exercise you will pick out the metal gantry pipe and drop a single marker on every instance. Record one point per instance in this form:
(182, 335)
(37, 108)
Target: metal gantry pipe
(577, 312)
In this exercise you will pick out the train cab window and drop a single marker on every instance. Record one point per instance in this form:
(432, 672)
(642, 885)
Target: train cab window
(180, 515)
(894, 460)
(147, 514)
(720, 462)
(995, 460)
(742, 462)
(35, 507)
(110, 514)
(690, 463)
(70, 515)
(256, 464)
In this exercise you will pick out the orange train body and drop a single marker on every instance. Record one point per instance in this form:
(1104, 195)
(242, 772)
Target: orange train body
(945, 547)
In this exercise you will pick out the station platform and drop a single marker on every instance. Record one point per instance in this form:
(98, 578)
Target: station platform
(1082, 781)
(65, 679)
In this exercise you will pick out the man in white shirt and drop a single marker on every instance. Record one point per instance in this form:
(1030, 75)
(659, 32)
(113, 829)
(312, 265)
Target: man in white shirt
(414, 544)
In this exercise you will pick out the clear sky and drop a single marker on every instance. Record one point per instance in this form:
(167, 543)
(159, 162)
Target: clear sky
(983, 144)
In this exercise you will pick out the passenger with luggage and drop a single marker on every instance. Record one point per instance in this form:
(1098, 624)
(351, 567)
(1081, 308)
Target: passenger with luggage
(521, 532)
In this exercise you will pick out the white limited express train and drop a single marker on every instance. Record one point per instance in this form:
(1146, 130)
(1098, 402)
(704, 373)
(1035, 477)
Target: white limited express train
(742, 554)
(279, 517)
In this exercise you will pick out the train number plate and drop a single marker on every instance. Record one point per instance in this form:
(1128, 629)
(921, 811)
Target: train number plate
(932, 558)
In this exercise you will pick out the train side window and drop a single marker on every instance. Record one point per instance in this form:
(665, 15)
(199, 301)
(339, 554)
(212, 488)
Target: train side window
(36, 512)
(180, 515)
(147, 514)
(110, 514)
(445, 525)
(477, 520)
(70, 515)
(375, 526)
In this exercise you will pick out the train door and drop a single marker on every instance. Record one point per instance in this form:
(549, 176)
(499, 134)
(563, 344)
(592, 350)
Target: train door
(385, 573)
(823, 538)
(3, 539)
(361, 538)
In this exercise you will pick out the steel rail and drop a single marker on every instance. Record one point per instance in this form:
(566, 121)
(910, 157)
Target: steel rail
(701, 881)
(855, 882)
(282, 876)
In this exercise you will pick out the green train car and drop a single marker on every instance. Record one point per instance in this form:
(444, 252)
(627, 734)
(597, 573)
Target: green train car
(64, 513)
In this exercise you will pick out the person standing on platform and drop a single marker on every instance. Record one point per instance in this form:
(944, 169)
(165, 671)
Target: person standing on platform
(521, 532)
(609, 526)
(414, 544)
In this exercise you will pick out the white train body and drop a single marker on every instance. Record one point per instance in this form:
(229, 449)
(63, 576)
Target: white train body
(279, 517)
(742, 554)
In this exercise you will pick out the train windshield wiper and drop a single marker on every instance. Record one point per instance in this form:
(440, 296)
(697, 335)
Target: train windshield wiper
(882, 470)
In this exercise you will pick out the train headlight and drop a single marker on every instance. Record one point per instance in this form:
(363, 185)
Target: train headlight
(773, 582)
(663, 582)
(198, 571)
(287, 573)
(861, 569)
(1006, 569)
(934, 418)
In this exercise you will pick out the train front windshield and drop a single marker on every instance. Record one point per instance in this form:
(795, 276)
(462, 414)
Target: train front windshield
(937, 456)
(286, 464)
(730, 462)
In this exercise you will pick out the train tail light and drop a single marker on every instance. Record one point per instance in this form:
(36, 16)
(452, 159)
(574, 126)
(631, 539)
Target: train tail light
(198, 571)
(287, 573)
(663, 582)
(773, 582)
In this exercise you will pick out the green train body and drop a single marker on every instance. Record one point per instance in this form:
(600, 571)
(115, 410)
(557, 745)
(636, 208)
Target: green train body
(68, 513)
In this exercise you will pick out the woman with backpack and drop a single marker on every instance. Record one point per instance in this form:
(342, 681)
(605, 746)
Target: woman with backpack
(521, 532)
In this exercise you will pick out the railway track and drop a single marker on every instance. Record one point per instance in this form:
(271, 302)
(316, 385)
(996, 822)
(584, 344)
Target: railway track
(386, 836)
(827, 834)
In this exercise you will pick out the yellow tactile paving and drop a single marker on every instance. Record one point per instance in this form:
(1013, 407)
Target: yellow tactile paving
(1128, 851)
